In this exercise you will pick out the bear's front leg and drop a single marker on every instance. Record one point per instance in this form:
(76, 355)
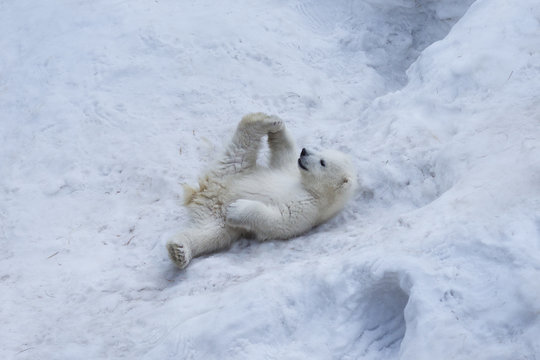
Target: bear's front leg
(242, 152)
(245, 213)
(282, 149)
(264, 221)
(268, 222)
(259, 124)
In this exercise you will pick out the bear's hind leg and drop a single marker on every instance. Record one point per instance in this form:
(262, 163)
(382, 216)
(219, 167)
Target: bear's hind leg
(179, 251)
(196, 242)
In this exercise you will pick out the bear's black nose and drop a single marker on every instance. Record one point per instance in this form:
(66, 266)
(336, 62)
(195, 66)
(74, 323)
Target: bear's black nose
(304, 152)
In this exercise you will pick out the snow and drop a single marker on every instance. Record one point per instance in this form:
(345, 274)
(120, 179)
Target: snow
(106, 107)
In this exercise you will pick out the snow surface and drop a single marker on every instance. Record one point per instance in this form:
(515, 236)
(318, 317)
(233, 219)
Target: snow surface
(107, 106)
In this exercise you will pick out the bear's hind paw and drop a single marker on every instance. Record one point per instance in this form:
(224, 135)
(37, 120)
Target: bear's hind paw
(180, 254)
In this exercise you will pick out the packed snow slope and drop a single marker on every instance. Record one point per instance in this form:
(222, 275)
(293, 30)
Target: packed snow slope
(106, 107)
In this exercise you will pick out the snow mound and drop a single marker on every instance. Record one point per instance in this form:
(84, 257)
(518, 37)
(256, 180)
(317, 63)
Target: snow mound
(381, 314)
(387, 35)
(346, 314)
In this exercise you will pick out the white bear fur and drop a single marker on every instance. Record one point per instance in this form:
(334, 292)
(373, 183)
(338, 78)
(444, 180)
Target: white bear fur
(237, 197)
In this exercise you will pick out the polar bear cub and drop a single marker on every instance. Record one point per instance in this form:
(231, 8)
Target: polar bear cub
(237, 197)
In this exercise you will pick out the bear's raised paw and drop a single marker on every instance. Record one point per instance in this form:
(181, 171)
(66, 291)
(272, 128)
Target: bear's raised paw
(263, 122)
(274, 124)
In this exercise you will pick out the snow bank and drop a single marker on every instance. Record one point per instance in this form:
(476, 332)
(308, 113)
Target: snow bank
(107, 107)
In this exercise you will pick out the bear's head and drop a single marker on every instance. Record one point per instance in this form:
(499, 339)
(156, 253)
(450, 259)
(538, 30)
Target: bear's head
(330, 176)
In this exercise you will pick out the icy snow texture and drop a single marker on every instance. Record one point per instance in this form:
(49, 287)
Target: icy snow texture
(105, 107)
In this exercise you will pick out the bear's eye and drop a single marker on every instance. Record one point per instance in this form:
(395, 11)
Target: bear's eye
(323, 163)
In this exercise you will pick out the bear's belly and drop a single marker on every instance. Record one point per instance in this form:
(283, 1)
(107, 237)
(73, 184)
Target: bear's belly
(276, 188)
(269, 187)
